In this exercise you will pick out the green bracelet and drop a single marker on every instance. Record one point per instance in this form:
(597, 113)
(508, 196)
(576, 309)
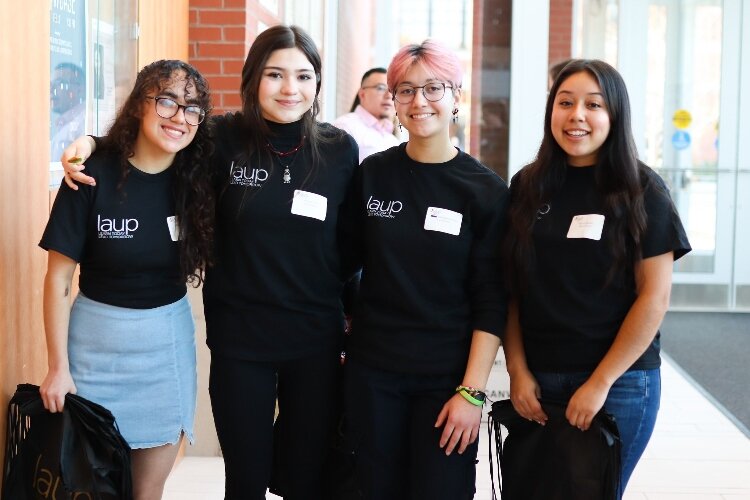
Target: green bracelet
(471, 399)
(470, 390)
(477, 394)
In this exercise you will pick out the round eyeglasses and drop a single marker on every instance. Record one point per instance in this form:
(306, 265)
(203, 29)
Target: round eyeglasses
(167, 108)
(431, 91)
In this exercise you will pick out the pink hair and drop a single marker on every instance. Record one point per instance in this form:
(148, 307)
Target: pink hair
(437, 59)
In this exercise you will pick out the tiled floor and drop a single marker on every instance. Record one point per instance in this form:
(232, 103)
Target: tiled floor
(696, 453)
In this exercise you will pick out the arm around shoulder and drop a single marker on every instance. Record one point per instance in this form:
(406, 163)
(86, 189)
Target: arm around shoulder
(73, 158)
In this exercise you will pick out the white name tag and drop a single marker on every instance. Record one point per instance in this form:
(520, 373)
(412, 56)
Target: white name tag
(309, 204)
(174, 230)
(587, 226)
(443, 221)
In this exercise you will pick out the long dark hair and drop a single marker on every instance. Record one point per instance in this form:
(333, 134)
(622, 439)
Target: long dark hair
(258, 132)
(620, 178)
(194, 198)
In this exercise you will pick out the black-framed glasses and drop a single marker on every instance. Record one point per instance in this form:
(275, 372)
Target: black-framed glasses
(380, 88)
(433, 91)
(167, 108)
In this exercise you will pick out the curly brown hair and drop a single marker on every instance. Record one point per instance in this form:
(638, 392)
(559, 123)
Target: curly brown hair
(194, 194)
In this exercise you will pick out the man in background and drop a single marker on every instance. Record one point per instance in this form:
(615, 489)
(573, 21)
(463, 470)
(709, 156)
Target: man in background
(371, 119)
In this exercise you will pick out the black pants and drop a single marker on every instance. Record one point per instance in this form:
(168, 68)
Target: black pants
(391, 420)
(243, 397)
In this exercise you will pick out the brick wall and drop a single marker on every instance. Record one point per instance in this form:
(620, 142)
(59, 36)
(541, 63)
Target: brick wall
(560, 30)
(221, 32)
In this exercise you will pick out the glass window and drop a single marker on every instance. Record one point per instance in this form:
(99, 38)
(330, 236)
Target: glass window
(92, 69)
(682, 113)
(67, 74)
(596, 31)
(687, 93)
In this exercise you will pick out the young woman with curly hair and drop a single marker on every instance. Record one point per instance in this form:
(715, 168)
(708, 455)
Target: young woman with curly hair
(139, 234)
(272, 298)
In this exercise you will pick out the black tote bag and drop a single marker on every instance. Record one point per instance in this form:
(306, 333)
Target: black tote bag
(77, 454)
(556, 461)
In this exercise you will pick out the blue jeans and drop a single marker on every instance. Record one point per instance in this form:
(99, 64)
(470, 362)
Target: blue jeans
(633, 400)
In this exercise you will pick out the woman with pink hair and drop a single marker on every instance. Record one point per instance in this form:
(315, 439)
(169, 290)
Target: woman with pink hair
(429, 220)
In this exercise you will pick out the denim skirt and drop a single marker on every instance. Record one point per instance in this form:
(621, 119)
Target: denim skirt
(139, 364)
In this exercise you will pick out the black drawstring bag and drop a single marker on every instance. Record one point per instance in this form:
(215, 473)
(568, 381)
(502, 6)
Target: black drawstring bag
(555, 461)
(77, 454)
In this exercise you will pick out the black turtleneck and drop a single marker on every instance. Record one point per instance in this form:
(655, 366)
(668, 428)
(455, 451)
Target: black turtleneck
(274, 292)
(285, 137)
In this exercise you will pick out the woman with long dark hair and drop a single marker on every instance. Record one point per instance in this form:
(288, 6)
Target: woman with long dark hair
(273, 309)
(139, 234)
(272, 299)
(592, 237)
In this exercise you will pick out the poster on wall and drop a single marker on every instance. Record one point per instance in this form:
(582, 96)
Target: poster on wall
(67, 78)
(103, 77)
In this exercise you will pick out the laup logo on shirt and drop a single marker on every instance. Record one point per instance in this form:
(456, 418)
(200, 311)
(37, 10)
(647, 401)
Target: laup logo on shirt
(108, 229)
(243, 175)
(383, 208)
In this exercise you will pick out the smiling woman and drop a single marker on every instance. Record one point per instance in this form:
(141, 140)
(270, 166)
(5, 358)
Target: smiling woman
(425, 334)
(590, 337)
(274, 319)
(287, 88)
(580, 119)
(272, 301)
(134, 260)
(164, 130)
(421, 78)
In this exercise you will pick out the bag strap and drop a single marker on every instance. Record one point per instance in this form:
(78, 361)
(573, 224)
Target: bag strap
(493, 423)
(25, 402)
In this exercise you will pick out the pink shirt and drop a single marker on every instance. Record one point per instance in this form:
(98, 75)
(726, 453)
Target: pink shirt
(371, 134)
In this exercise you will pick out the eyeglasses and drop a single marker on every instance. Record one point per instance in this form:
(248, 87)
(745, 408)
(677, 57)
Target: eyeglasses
(431, 91)
(380, 88)
(167, 108)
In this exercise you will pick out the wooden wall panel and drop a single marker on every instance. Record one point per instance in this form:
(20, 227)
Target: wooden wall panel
(24, 194)
(163, 30)
(24, 166)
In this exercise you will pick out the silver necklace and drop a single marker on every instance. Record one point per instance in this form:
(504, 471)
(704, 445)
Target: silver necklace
(287, 176)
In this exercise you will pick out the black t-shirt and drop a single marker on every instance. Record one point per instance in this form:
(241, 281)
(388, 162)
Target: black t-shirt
(429, 237)
(275, 290)
(121, 238)
(569, 314)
